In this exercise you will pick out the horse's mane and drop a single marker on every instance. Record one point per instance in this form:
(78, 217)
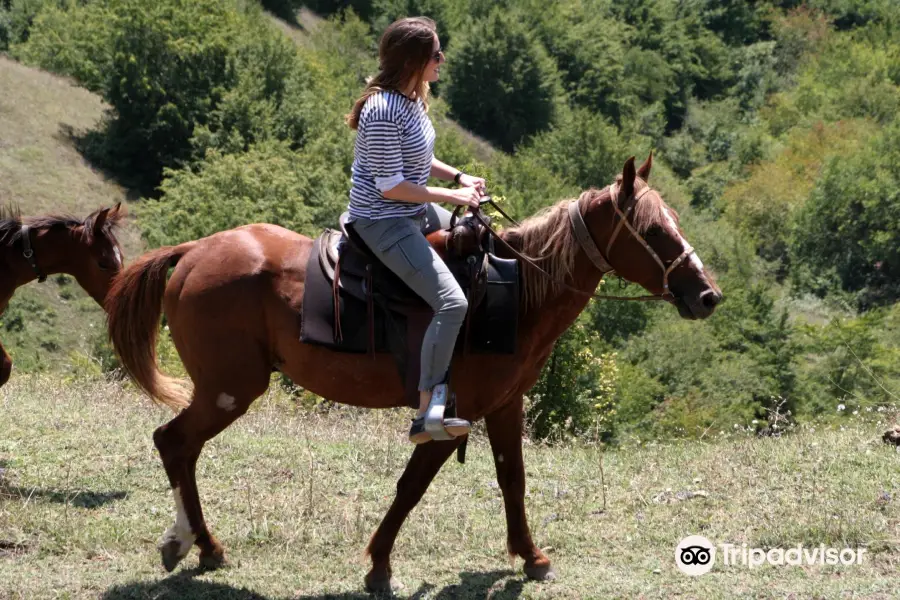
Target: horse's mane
(651, 210)
(10, 225)
(547, 237)
(11, 222)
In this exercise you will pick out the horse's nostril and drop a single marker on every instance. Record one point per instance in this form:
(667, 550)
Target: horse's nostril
(710, 299)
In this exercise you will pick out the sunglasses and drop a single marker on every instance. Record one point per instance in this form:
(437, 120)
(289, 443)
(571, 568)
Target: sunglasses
(436, 57)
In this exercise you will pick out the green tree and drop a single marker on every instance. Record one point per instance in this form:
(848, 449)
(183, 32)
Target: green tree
(575, 393)
(502, 84)
(267, 184)
(849, 229)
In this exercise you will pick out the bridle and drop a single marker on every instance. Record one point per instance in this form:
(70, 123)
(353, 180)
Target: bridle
(590, 248)
(586, 242)
(28, 253)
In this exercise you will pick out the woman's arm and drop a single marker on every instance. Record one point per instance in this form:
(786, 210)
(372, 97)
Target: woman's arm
(442, 170)
(406, 191)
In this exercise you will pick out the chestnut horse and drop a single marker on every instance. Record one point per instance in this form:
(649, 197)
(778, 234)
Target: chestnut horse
(35, 247)
(233, 303)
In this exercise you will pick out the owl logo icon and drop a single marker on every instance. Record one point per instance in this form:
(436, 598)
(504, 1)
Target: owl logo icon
(695, 555)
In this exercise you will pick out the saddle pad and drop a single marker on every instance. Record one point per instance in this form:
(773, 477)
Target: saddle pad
(317, 317)
(495, 322)
(493, 329)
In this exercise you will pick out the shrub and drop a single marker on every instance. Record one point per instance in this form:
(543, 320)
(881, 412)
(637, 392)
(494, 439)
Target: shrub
(267, 184)
(502, 84)
(575, 393)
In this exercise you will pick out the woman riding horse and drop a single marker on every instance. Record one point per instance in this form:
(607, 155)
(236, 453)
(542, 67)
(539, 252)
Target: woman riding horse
(394, 156)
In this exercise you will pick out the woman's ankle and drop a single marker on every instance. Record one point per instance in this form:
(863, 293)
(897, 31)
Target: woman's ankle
(424, 399)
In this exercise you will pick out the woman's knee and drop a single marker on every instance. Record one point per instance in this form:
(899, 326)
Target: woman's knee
(454, 304)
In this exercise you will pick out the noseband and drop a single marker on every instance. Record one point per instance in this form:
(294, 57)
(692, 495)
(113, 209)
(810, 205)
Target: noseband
(28, 253)
(590, 248)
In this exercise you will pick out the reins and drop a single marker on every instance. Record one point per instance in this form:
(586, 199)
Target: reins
(586, 242)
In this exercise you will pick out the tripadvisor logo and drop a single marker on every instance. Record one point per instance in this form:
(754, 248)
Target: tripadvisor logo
(695, 555)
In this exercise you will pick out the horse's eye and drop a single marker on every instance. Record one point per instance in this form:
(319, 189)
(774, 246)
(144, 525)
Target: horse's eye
(654, 231)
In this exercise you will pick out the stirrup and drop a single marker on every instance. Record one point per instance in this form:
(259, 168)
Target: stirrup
(436, 425)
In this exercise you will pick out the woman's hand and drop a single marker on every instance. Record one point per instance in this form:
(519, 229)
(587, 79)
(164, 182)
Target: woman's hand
(465, 196)
(467, 181)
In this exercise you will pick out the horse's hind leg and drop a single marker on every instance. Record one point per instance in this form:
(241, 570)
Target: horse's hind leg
(213, 408)
(424, 464)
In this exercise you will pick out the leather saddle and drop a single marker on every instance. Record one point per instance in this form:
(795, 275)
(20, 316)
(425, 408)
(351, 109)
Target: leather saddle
(348, 263)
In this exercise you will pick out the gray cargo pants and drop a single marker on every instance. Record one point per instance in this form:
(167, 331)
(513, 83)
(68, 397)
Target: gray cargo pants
(400, 244)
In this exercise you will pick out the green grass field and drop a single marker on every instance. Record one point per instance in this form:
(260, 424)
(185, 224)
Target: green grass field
(294, 494)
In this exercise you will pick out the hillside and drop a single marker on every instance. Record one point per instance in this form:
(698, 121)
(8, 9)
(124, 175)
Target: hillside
(41, 171)
(774, 135)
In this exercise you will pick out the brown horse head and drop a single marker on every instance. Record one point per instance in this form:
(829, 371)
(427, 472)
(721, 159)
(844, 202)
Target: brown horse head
(640, 237)
(87, 249)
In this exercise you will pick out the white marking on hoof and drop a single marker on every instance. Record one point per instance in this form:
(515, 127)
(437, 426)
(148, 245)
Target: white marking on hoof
(226, 402)
(180, 531)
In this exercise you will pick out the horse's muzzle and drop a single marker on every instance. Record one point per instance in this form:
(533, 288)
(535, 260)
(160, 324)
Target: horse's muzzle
(700, 306)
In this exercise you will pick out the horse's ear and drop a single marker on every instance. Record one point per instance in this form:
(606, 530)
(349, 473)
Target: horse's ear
(628, 176)
(117, 213)
(100, 221)
(644, 170)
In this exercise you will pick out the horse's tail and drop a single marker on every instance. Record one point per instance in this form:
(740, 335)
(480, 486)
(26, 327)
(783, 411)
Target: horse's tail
(134, 308)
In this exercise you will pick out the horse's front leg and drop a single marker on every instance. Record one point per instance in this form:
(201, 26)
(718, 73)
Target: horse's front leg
(505, 432)
(5, 366)
(424, 464)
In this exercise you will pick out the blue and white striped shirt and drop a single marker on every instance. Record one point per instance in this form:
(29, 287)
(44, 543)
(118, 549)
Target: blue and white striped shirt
(394, 143)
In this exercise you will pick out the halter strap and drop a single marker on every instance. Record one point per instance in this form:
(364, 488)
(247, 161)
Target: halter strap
(28, 253)
(584, 238)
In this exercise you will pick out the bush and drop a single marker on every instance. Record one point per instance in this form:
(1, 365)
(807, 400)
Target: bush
(850, 227)
(171, 68)
(502, 84)
(583, 148)
(260, 105)
(765, 205)
(70, 39)
(267, 184)
(853, 364)
(575, 393)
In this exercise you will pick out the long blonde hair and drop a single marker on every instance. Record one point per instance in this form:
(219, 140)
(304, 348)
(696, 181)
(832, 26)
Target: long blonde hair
(406, 48)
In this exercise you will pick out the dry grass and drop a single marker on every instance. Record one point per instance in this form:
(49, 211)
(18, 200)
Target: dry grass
(40, 169)
(295, 494)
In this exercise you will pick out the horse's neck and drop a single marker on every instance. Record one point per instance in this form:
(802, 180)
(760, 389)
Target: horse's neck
(11, 276)
(19, 271)
(557, 310)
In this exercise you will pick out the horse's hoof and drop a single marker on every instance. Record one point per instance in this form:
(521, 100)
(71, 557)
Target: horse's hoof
(382, 585)
(213, 560)
(170, 553)
(540, 572)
